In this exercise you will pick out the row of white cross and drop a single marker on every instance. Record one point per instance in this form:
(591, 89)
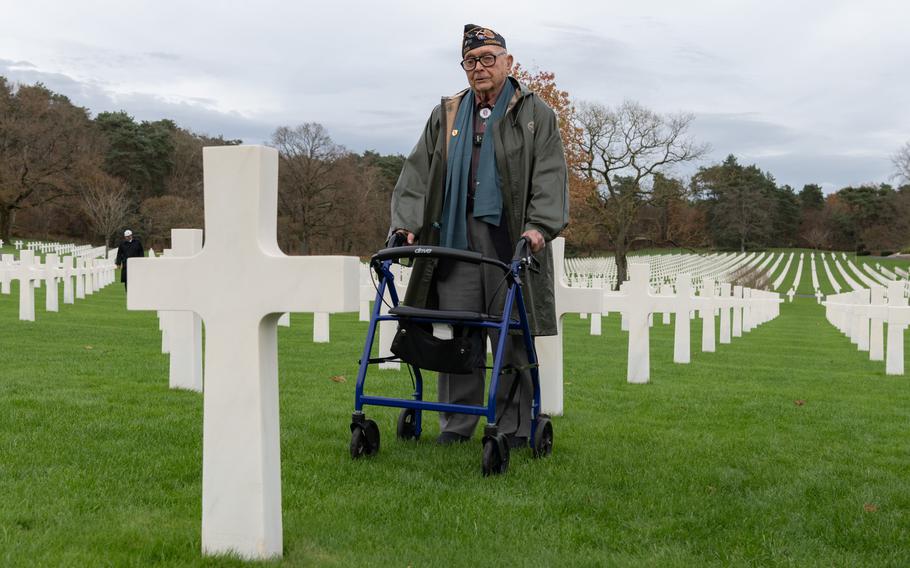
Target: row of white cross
(601, 272)
(739, 310)
(861, 316)
(856, 278)
(57, 248)
(80, 277)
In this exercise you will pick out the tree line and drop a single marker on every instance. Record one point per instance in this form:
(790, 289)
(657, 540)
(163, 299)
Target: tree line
(65, 175)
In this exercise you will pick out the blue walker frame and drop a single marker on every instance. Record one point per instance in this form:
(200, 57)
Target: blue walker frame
(381, 263)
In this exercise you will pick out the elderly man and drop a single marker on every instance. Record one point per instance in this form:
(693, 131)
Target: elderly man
(488, 169)
(129, 248)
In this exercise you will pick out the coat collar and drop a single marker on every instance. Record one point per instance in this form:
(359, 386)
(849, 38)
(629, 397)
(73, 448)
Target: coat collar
(521, 91)
(451, 104)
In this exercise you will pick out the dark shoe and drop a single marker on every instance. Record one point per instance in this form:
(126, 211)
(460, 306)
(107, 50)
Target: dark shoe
(447, 438)
(517, 441)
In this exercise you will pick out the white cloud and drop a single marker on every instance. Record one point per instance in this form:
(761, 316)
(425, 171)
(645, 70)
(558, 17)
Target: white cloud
(813, 91)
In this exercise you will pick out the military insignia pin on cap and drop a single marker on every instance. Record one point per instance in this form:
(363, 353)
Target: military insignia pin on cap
(476, 36)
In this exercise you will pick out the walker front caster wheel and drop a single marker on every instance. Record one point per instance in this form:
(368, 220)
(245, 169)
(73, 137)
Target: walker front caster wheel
(543, 437)
(364, 439)
(495, 459)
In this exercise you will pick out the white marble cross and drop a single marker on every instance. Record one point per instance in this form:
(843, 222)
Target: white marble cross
(6, 272)
(80, 278)
(550, 348)
(26, 275)
(596, 326)
(240, 284)
(89, 273)
(637, 304)
(707, 305)
(321, 327)
(898, 320)
(683, 303)
(876, 325)
(666, 290)
(367, 292)
(737, 311)
(52, 274)
(68, 296)
(184, 329)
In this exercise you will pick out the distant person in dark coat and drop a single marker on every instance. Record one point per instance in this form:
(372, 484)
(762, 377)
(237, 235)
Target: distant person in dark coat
(129, 248)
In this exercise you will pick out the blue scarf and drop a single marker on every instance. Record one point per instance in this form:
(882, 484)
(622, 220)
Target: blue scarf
(488, 196)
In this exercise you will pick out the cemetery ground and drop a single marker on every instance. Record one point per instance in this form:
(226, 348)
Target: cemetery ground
(786, 447)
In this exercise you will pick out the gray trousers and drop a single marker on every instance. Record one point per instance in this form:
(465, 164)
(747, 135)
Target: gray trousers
(482, 288)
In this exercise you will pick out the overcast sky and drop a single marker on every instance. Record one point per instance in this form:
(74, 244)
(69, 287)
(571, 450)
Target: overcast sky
(812, 91)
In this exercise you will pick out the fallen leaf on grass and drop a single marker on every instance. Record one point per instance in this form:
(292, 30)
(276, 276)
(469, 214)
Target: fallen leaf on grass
(339, 379)
(799, 402)
(89, 347)
(870, 507)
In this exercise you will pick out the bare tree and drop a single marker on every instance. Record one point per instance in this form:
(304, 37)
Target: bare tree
(107, 205)
(158, 215)
(363, 225)
(624, 148)
(309, 179)
(901, 161)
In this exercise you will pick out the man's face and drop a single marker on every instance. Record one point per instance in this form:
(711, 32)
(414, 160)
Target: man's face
(129, 238)
(483, 79)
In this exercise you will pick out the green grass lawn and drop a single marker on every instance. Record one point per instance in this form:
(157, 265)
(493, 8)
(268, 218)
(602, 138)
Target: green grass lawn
(713, 463)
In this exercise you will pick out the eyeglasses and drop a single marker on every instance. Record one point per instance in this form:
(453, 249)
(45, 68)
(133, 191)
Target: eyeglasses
(487, 60)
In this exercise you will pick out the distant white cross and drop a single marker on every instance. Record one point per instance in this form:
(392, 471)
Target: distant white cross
(68, 296)
(637, 304)
(707, 305)
(682, 333)
(52, 274)
(185, 328)
(240, 284)
(6, 272)
(25, 273)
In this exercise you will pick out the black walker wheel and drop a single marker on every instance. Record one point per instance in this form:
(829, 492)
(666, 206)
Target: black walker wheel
(364, 439)
(495, 459)
(407, 424)
(543, 437)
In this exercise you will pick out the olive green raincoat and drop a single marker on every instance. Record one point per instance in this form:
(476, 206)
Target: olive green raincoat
(534, 181)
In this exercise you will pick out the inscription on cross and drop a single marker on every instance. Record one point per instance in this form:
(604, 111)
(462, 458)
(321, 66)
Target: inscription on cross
(240, 284)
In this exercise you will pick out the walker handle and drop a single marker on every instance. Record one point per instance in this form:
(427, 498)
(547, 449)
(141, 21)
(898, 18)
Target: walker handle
(430, 251)
(523, 255)
(396, 239)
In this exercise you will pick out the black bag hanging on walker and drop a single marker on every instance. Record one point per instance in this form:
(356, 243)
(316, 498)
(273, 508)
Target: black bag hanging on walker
(415, 344)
